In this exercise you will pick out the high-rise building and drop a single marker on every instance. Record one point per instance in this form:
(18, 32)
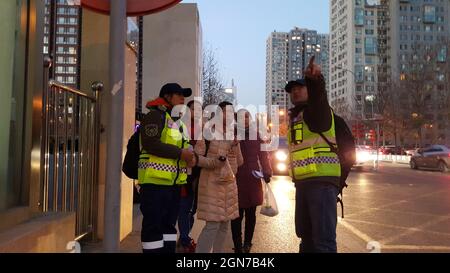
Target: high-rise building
(323, 51)
(420, 30)
(277, 68)
(354, 58)
(372, 43)
(287, 56)
(62, 38)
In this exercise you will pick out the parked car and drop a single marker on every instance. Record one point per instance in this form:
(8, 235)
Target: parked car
(412, 152)
(280, 158)
(392, 150)
(433, 157)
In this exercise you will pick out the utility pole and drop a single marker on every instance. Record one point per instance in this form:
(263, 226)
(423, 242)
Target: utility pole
(117, 39)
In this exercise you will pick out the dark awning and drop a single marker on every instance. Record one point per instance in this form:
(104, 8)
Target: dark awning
(134, 7)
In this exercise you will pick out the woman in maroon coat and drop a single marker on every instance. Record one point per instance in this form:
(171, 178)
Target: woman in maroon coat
(249, 187)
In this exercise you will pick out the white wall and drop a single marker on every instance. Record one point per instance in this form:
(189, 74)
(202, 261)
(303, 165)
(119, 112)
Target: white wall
(172, 50)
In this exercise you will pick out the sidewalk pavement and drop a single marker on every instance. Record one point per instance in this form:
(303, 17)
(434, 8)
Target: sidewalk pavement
(132, 243)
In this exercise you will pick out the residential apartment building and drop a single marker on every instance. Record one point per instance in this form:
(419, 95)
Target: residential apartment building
(372, 44)
(287, 56)
(63, 38)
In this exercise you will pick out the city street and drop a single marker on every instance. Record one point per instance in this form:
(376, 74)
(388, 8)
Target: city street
(394, 210)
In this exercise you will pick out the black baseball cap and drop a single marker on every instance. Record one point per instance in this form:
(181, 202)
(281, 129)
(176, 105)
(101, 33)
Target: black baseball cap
(174, 88)
(291, 84)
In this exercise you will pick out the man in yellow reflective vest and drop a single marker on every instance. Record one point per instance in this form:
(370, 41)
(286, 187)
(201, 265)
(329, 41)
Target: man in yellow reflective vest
(314, 168)
(162, 170)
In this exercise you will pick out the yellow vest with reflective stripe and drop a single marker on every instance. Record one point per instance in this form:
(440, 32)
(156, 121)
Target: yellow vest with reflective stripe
(165, 171)
(310, 155)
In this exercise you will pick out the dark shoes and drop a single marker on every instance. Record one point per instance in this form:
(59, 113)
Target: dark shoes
(247, 247)
(188, 248)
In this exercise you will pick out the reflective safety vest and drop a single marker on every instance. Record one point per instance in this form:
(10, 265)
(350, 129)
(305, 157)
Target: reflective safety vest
(165, 171)
(310, 155)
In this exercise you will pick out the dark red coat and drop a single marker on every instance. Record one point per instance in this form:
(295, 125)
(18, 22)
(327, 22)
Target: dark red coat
(250, 188)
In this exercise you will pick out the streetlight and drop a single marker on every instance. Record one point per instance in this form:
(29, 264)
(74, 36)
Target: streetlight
(371, 98)
(377, 120)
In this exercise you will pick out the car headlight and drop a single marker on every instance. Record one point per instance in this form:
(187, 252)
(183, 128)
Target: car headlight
(362, 156)
(281, 167)
(281, 155)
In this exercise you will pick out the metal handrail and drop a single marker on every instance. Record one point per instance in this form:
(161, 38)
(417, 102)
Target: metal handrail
(53, 83)
(70, 147)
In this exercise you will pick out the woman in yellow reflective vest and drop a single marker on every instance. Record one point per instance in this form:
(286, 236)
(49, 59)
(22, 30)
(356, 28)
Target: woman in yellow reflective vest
(163, 165)
(314, 169)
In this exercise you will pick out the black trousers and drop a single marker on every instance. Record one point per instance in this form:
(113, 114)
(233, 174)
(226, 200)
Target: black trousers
(159, 207)
(316, 216)
(236, 227)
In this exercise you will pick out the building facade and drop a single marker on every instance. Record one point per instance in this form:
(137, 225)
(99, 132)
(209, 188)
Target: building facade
(277, 69)
(372, 46)
(52, 182)
(354, 58)
(172, 51)
(63, 39)
(420, 33)
(287, 56)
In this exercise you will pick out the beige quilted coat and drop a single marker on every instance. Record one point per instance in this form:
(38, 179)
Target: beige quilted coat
(217, 192)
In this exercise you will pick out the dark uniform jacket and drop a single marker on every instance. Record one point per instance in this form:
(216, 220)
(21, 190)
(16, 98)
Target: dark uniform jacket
(317, 114)
(151, 128)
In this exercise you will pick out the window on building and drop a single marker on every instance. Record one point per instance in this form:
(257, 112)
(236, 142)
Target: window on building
(429, 14)
(442, 55)
(370, 44)
(359, 17)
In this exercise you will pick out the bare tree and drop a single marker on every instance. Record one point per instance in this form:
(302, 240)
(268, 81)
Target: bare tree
(412, 104)
(211, 81)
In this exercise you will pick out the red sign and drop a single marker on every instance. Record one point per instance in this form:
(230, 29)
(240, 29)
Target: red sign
(134, 7)
(358, 130)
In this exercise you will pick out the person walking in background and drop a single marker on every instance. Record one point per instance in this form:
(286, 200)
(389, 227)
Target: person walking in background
(250, 189)
(217, 190)
(188, 201)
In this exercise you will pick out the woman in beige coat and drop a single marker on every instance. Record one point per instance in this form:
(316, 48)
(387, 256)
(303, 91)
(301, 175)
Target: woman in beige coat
(217, 192)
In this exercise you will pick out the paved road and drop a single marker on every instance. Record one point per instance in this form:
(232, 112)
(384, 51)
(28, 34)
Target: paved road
(395, 210)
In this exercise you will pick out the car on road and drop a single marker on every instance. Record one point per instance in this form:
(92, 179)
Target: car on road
(364, 156)
(280, 158)
(392, 150)
(412, 152)
(432, 157)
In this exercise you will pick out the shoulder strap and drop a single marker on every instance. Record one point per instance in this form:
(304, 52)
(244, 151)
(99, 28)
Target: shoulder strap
(333, 146)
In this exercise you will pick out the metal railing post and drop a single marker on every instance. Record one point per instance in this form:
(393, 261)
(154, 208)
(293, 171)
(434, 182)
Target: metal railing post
(43, 200)
(96, 87)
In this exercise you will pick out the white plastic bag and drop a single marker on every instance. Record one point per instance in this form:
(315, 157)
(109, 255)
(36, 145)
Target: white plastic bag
(269, 208)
